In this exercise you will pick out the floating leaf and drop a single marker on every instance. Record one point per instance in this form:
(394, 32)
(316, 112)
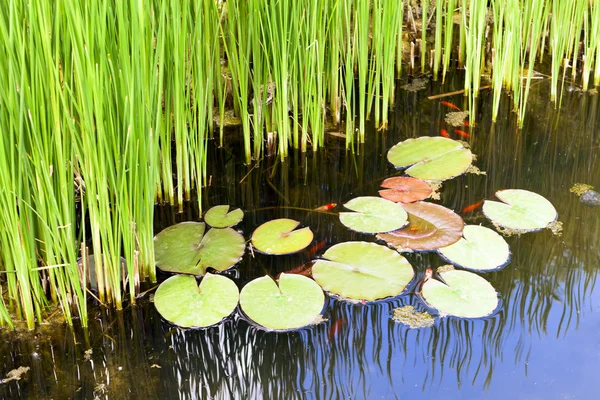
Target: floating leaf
(278, 237)
(464, 294)
(521, 210)
(221, 217)
(430, 226)
(184, 248)
(432, 158)
(182, 302)
(402, 189)
(373, 215)
(362, 271)
(295, 303)
(480, 249)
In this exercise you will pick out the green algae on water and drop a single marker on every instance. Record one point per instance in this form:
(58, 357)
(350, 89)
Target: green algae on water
(407, 315)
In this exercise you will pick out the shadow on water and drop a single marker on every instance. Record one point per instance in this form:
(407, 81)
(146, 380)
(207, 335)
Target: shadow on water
(546, 316)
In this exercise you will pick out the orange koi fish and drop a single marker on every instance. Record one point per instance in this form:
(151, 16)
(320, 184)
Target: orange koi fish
(472, 207)
(326, 207)
(444, 133)
(337, 325)
(304, 269)
(316, 247)
(449, 105)
(467, 123)
(462, 133)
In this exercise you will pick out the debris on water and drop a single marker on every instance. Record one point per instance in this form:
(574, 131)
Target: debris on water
(15, 374)
(407, 315)
(590, 198)
(580, 188)
(507, 231)
(456, 118)
(445, 268)
(155, 366)
(435, 190)
(556, 227)
(318, 319)
(87, 355)
(415, 85)
(474, 170)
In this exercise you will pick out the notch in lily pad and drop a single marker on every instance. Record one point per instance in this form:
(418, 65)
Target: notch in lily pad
(278, 237)
(373, 215)
(404, 189)
(221, 217)
(480, 249)
(430, 226)
(293, 302)
(362, 271)
(520, 211)
(462, 294)
(182, 302)
(431, 158)
(185, 248)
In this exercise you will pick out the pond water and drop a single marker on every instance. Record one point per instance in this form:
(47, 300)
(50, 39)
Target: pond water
(542, 343)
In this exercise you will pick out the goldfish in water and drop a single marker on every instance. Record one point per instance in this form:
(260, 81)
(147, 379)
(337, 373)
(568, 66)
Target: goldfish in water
(462, 133)
(316, 247)
(444, 133)
(337, 325)
(326, 207)
(472, 207)
(450, 105)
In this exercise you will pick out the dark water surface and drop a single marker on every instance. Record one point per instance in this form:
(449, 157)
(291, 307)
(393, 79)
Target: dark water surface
(543, 343)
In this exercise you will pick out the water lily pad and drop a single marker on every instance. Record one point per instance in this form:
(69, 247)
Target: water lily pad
(431, 158)
(362, 271)
(402, 189)
(430, 226)
(221, 217)
(373, 215)
(184, 248)
(296, 302)
(182, 302)
(480, 249)
(521, 210)
(464, 294)
(279, 237)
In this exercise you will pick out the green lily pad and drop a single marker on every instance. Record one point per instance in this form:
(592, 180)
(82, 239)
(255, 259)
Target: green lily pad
(278, 237)
(430, 226)
(521, 210)
(296, 302)
(431, 158)
(403, 189)
(373, 215)
(480, 249)
(185, 249)
(362, 271)
(221, 217)
(182, 302)
(464, 294)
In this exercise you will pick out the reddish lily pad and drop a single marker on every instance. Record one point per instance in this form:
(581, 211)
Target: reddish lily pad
(430, 226)
(279, 237)
(403, 189)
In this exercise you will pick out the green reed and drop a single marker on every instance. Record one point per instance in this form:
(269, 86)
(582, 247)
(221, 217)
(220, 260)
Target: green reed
(100, 120)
